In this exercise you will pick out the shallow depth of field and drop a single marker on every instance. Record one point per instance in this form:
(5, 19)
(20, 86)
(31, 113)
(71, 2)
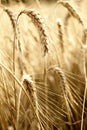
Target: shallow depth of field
(43, 65)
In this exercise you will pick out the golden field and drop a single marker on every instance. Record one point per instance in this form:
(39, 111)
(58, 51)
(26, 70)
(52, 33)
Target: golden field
(43, 65)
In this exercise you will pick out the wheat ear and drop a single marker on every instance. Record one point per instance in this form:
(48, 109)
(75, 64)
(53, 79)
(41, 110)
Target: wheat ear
(29, 86)
(59, 71)
(11, 16)
(71, 10)
(74, 13)
(60, 35)
(24, 90)
(38, 22)
(66, 23)
(61, 74)
(64, 86)
(13, 22)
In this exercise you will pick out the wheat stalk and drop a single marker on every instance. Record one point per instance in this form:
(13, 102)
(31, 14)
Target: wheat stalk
(84, 37)
(65, 91)
(24, 90)
(71, 10)
(29, 86)
(73, 13)
(62, 76)
(85, 75)
(20, 60)
(64, 86)
(60, 34)
(13, 23)
(38, 22)
(66, 22)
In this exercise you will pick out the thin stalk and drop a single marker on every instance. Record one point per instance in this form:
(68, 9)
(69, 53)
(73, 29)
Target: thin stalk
(14, 56)
(84, 99)
(28, 96)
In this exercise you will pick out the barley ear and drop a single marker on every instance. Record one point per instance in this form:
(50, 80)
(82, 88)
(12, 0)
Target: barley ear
(60, 35)
(71, 10)
(38, 22)
(29, 86)
(66, 19)
(11, 16)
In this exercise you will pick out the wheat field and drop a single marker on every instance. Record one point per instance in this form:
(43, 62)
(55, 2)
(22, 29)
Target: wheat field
(43, 65)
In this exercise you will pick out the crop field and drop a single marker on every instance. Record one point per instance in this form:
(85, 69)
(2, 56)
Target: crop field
(43, 65)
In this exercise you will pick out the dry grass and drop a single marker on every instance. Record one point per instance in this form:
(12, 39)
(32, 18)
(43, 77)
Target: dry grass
(43, 75)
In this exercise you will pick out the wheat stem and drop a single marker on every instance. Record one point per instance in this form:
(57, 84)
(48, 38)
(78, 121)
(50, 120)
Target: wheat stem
(28, 96)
